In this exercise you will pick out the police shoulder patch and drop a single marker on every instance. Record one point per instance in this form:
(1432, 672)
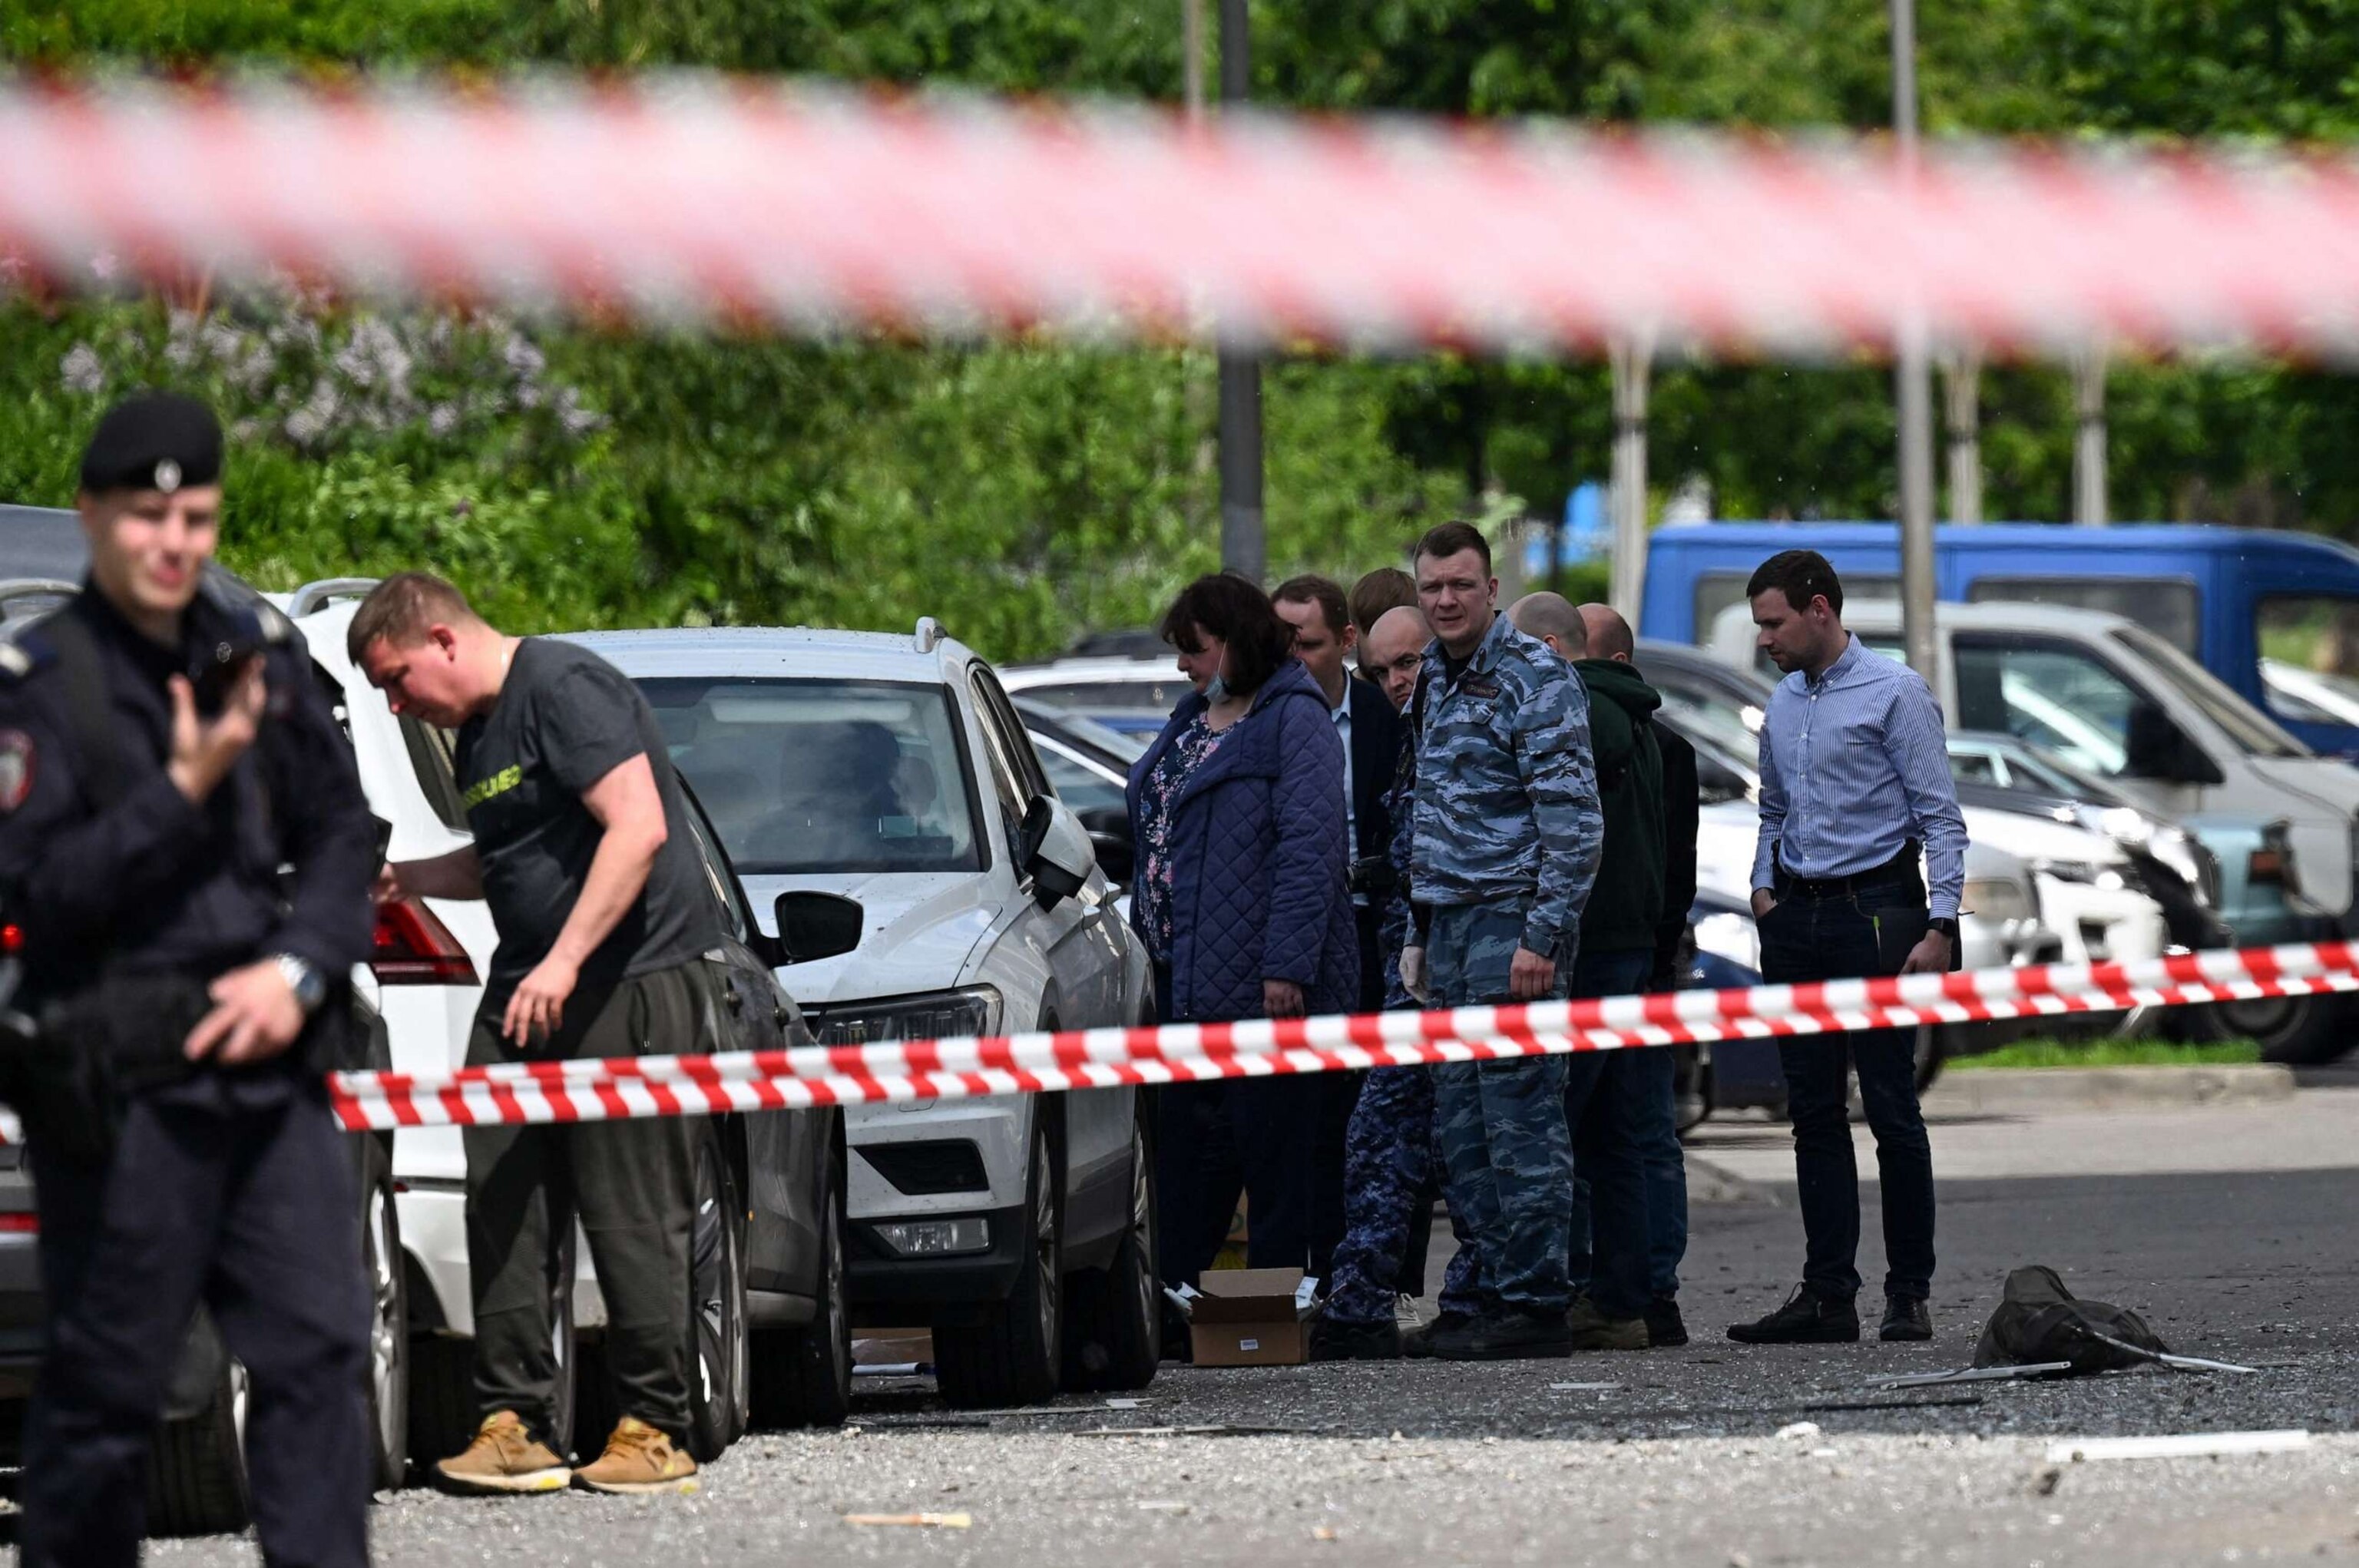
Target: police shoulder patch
(16, 763)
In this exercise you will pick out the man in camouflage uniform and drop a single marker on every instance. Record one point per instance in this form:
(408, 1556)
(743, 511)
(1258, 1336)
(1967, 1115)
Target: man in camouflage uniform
(1507, 838)
(1393, 1163)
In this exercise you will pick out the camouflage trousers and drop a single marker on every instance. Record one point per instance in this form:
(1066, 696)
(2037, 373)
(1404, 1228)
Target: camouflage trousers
(1392, 1162)
(1502, 1123)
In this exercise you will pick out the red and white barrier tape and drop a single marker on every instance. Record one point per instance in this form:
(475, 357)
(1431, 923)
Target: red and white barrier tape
(694, 197)
(1096, 1059)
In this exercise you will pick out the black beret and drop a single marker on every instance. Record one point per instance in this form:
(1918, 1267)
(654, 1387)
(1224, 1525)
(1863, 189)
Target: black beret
(155, 440)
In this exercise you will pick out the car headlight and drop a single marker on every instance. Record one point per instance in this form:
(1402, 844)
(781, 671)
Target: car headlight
(936, 1015)
(1997, 899)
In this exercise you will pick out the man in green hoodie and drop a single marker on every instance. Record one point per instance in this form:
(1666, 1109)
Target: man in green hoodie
(1605, 1091)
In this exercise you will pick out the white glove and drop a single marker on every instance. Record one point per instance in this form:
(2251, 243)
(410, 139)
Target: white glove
(1412, 973)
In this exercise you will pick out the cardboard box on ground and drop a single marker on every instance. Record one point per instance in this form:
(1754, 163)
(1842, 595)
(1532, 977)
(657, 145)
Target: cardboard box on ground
(1251, 1317)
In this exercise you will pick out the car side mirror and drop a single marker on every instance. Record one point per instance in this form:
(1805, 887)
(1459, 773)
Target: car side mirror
(1109, 830)
(2157, 748)
(811, 926)
(1057, 853)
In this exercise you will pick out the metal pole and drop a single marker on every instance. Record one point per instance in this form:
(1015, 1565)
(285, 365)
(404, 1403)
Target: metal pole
(2089, 436)
(1632, 362)
(1915, 399)
(1961, 386)
(1191, 64)
(1243, 548)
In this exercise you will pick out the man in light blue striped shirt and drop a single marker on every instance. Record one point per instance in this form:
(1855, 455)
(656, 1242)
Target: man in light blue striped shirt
(1856, 791)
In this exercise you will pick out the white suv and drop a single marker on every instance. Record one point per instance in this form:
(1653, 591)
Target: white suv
(891, 773)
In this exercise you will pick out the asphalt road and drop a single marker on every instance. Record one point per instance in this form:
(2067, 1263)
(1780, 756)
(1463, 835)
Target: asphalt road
(2229, 1228)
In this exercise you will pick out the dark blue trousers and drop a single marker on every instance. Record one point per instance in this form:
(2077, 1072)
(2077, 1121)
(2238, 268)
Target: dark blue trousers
(1843, 937)
(249, 1208)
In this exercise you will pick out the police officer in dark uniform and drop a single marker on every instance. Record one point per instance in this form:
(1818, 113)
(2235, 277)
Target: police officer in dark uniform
(185, 845)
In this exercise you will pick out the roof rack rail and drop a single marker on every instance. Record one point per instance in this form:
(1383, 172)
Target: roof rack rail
(327, 590)
(928, 633)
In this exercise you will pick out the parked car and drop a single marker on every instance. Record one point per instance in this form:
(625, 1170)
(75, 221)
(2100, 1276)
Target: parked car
(2117, 701)
(772, 1339)
(1131, 693)
(197, 1478)
(891, 774)
(2273, 616)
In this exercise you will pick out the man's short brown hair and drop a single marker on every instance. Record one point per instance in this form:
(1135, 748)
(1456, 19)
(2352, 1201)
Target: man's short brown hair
(1446, 540)
(400, 609)
(1385, 588)
(1324, 591)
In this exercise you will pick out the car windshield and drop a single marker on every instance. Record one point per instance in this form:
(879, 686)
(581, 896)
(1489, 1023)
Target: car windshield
(2251, 729)
(803, 777)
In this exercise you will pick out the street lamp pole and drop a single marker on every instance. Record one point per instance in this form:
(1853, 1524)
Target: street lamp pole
(1243, 547)
(1914, 389)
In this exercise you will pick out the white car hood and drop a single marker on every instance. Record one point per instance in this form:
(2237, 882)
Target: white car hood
(918, 930)
(1726, 835)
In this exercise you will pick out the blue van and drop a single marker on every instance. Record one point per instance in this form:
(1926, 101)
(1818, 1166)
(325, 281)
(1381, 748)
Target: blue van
(2274, 615)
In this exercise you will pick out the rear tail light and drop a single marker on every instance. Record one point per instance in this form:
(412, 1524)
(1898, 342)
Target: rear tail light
(20, 1225)
(2270, 864)
(414, 948)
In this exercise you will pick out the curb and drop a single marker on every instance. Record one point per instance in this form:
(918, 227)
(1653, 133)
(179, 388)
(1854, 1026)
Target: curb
(2017, 1090)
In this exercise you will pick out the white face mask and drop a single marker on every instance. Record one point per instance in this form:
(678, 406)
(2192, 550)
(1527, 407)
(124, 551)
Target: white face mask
(1216, 689)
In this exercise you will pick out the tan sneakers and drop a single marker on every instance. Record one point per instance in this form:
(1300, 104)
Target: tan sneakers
(639, 1460)
(504, 1459)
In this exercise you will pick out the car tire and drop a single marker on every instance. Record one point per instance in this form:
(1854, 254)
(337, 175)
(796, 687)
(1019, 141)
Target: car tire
(443, 1411)
(803, 1375)
(1012, 1356)
(386, 1268)
(1113, 1316)
(716, 1304)
(2297, 1032)
(196, 1468)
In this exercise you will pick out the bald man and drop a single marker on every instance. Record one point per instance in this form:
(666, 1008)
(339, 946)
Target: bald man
(1393, 651)
(1610, 638)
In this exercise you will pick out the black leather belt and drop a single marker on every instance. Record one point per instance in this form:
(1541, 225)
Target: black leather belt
(1901, 870)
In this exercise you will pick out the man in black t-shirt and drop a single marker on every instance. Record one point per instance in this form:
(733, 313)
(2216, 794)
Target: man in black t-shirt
(582, 852)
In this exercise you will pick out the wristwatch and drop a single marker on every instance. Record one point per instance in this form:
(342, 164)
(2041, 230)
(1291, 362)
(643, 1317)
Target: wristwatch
(311, 987)
(1948, 928)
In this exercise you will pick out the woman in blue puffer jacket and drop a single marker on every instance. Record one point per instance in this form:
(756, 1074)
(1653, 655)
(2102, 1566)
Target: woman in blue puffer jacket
(1239, 811)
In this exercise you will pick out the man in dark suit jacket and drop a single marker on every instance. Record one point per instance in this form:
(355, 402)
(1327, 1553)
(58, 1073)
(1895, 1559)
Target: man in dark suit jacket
(1324, 638)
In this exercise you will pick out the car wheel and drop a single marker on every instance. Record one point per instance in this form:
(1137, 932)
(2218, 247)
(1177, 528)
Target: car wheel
(716, 1301)
(196, 1468)
(388, 1364)
(1011, 1357)
(443, 1411)
(803, 1375)
(1113, 1316)
(2298, 1031)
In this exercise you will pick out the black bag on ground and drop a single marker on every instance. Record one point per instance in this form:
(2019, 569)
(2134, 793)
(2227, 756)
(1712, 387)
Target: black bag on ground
(2039, 1320)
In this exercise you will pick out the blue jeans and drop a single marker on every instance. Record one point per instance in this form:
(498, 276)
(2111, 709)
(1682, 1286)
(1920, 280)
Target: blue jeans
(1843, 936)
(1503, 1128)
(1606, 1108)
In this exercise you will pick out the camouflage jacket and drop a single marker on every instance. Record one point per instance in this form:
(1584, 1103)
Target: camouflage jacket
(1506, 789)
